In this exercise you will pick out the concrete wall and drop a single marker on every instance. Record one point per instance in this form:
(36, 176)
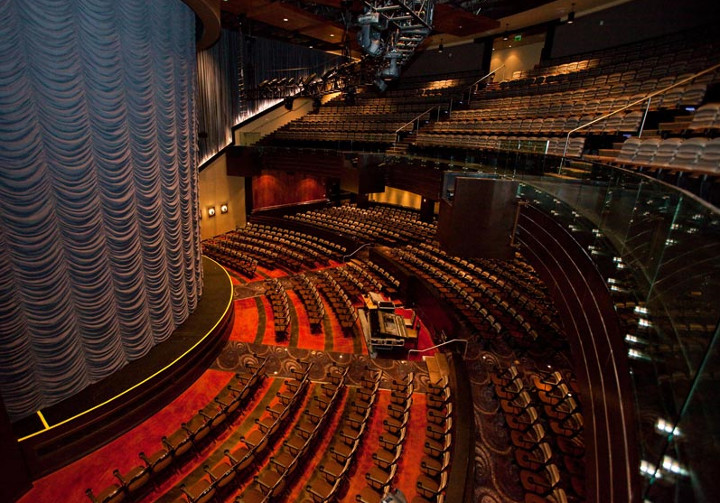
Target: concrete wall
(216, 188)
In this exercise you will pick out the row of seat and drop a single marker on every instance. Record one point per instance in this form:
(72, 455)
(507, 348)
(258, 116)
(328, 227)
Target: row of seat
(379, 278)
(336, 464)
(618, 123)
(310, 298)
(323, 246)
(325, 136)
(482, 304)
(435, 469)
(276, 477)
(694, 154)
(588, 101)
(379, 223)
(348, 281)
(238, 464)
(482, 320)
(341, 304)
(522, 144)
(191, 435)
(230, 257)
(273, 252)
(311, 252)
(387, 456)
(544, 472)
(519, 284)
(275, 293)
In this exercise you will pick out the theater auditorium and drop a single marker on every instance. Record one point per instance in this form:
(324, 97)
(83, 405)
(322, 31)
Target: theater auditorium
(366, 251)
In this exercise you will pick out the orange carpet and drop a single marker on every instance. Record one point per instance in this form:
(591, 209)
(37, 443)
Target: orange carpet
(252, 409)
(95, 470)
(269, 337)
(246, 320)
(370, 442)
(341, 343)
(263, 273)
(306, 338)
(409, 467)
(311, 465)
(277, 445)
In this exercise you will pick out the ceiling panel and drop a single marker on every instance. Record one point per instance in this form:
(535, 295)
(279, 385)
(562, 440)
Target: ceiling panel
(461, 23)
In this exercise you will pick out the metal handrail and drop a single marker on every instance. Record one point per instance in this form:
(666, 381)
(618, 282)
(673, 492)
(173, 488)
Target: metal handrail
(344, 257)
(416, 118)
(438, 105)
(483, 78)
(647, 97)
(439, 345)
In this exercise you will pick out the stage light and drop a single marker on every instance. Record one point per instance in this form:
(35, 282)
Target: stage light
(211, 211)
(223, 208)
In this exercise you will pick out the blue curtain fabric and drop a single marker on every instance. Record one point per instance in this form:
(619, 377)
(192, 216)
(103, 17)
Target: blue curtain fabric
(99, 237)
(218, 93)
(264, 59)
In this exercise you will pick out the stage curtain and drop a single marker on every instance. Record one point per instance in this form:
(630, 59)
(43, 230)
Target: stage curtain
(265, 59)
(218, 93)
(99, 237)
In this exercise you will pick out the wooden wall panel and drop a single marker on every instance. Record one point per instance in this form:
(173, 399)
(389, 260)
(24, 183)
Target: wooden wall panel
(276, 188)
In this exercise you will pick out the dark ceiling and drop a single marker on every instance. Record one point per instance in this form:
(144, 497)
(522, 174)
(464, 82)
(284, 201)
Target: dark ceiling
(321, 24)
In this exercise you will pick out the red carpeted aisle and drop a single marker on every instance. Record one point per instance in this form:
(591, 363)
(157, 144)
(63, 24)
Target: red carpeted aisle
(269, 338)
(364, 461)
(306, 339)
(95, 470)
(246, 320)
(409, 467)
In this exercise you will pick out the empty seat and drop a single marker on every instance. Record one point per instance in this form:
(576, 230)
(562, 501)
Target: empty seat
(710, 158)
(666, 151)
(629, 150)
(646, 151)
(689, 152)
(693, 95)
(706, 117)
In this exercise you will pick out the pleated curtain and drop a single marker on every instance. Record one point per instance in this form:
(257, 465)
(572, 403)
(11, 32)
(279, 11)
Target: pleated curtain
(218, 92)
(99, 237)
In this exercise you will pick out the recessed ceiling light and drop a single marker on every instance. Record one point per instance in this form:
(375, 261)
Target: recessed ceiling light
(311, 46)
(285, 19)
(332, 34)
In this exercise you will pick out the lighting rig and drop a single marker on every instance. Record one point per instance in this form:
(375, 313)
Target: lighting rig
(392, 30)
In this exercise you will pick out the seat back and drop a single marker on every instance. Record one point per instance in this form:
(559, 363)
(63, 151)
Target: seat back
(710, 157)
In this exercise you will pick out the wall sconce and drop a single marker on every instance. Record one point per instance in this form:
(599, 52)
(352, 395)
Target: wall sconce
(211, 211)
(223, 208)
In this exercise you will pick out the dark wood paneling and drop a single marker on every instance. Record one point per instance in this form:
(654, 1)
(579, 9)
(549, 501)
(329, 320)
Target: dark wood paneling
(491, 202)
(277, 188)
(414, 178)
(14, 476)
(596, 339)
